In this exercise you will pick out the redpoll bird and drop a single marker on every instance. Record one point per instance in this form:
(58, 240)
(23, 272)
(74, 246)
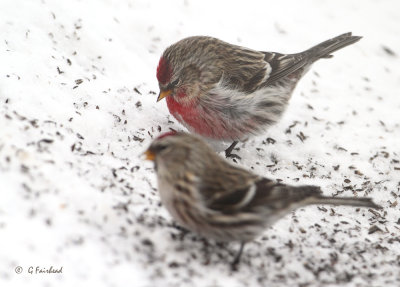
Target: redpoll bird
(227, 92)
(206, 194)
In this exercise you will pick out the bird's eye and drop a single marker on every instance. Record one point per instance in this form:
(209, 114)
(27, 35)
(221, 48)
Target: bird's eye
(159, 148)
(174, 83)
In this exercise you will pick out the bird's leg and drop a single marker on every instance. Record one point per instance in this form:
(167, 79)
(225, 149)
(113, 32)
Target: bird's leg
(237, 257)
(228, 151)
(183, 231)
(206, 251)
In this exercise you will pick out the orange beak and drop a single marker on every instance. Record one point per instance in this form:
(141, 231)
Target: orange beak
(149, 155)
(163, 94)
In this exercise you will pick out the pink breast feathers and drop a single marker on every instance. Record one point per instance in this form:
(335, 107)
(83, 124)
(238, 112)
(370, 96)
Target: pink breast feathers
(199, 121)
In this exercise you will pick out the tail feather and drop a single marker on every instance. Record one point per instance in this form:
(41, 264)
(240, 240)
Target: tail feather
(352, 201)
(309, 194)
(324, 49)
(296, 65)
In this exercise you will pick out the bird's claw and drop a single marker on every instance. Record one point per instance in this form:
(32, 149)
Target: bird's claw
(228, 151)
(232, 155)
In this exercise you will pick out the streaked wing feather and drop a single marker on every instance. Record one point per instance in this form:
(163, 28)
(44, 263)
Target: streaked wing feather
(228, 192)
(245, 69)
(249, 72)
(234, 200)
(264, 192)
(283, 65)
(280, 196)
(241, 198)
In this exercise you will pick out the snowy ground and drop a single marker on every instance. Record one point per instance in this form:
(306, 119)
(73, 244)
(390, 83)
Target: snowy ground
(78, 107)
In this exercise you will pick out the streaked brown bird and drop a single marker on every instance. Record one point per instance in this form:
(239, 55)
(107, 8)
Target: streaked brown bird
(207, 195)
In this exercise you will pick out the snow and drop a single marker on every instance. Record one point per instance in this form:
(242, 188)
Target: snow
(78, 108)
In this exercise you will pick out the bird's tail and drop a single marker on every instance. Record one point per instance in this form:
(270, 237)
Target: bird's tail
(324, 49)
(353, 201)
(312, 195)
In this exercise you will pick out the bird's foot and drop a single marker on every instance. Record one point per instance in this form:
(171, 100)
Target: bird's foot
(183, 231)
(228, 151)
(232, 155)
(236, 260)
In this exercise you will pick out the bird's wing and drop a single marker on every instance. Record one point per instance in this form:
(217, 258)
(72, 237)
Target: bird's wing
(228, 191)
(249, 70)
(284, 65)
(243, 69)
(261, 193)
(233, 201)
(281, 196)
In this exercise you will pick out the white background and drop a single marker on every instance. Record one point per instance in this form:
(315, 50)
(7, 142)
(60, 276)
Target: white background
(78, 107)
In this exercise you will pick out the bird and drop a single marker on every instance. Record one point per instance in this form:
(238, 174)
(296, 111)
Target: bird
(226, 92)
(206, 194)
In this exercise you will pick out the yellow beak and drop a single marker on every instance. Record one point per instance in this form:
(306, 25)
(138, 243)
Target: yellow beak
(163, 94)
(149, 155)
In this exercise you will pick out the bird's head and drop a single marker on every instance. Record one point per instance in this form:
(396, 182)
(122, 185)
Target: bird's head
(178, 152)
(181, 73)
(168, 150)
